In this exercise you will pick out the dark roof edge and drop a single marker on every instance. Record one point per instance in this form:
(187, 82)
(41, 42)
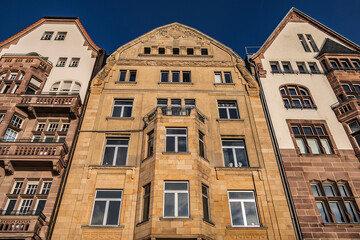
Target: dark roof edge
(47, 17)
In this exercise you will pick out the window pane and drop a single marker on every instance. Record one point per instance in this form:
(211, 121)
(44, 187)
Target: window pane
(343, 191)
(251, 213)
(292, 91)
(236, 214)
(176, 131)
(335, 208)
(228, 77)
(320, 131)
(313, 144)
(301, 145)
(241, 157)
(122, 75)
(127, 112)
(241, 195)
(109, 156)
(322, 211)
(170, 144)
(164, 76)
(116, 111)
(228, 157)
(98, 213)
(326, 146)
(10, 206)
(40, 206)
(223, 113)
(233, 143)
(175, 76)
(169, 205)
(132, 76)
(186, 77)
(108, 194)
(354, 126)
(183, 205)
(113, 213)
(175, 186)
(295, 130)
(329, 191)
(308, 130)
(121, 156)
(182, 144)
(218, 77)
(315, 190)
(233, 113)
(352, 211)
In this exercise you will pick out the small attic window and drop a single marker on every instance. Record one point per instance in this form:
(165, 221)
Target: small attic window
(47, 35)
(190, 51)
(204, 51)
(60, 36)
(176, 51)
(161, 50)
(147, 50)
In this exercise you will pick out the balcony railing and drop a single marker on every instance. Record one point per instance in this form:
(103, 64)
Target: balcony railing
(27, 147)
(47, 100)
(14, 224)
(346, 107)
(305, 106)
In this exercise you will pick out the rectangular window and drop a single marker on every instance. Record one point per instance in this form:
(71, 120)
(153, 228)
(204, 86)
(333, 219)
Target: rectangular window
(313, 68)
(132, 77)
(10, 206)
(186, 76)
(163, 104)
(354, 126)
(302, 67)
(16, 121)
(346, 87)
(60, 36)
(304, 43)
(204, 51)
(189, 104)
(12, 76)
(53, 127)
(312, 43)
(176, 51)
(46, 188)
(227, 76)
(122, 76)
(334, 64)
(243, 209)
(10, 135)
(356, 63)
(228, 110)
(164, 76)
(106, 209)
(47, 35)
(40, 127)
(115, 153)
(65, 127)
(176, 107)
(17, 187)
(161, 50)
(218, 77)
(234, 152)
(205, 202)
(74, 62)
(287, 67)
(176, 199)
(275, 68)
(40, 206)
(323, 211)
(201, 145)
(147, 50)
(150, 143)
(31, 187)
(146, 202)
(176, 140)
(122, 108)
(345, 64)
(175, 76)
(25, 206)
(190, 51)
(61, 62)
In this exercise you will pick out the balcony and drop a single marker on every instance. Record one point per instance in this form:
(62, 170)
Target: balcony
(347, 108)
(50, 104)
(20, 154)
(14, 225)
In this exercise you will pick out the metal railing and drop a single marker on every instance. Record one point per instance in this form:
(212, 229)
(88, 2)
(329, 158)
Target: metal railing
(305, 106)
(30, 54)
(174, 111)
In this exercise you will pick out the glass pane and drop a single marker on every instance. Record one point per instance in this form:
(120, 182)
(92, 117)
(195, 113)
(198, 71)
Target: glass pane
(351, 210)
(109, 156)
(326, 146)
(175, 186)
(329, 191)
(182, 144)
(170, 144)
(122, 76)
(98, 213)
(176, 76)
(169, 205)
(315, 190)
(241, 195)
(295, 130)
(117, 142)
(322, 211)
(164, 76)
(223, 113)
(132, 76)
(228, 157)
(241, 157)
(301, 145)
(308, 130)
(116, 112)
(251, 214)
(40, 206)
(320, 131)
(343, 191)
(186, 77)
(297, 103)
(233, 113)
(335, 208)
(292, 91)
(228, 77)
(354, 126)
(236, 214)
(206, 208)
(10, 206)
(121, 156)
(113, 213)
(127, 111)
(218, 78)
(108, 194)
(313, 144)
(176, 131)
(233, 143)
(183, 205)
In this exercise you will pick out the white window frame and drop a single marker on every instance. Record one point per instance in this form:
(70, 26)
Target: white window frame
(227, 108)
(74, 62)
(234, 151)
(13, 75)
(61, 62)
(27, 206)
(47, 35)
(15, 187)
(176, 139)
(40, 127)
(46, 188)
(65, 129)
(176, 199)
(13, 134)
(51, 128)
(107, 206)
(242, 201)
(17, 121)
(122, 107)
(60, 36)
(116, 151)
(33, 189)
(37, 203)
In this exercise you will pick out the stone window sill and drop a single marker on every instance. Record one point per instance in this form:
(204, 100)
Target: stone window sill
(176, 153)
(224, 84)
(120, 118)
(237, 168)
(247, 227)
(100, 226)
(225, 119)
(175, 218)
(112, 167)
(125, 82)
(175, 83)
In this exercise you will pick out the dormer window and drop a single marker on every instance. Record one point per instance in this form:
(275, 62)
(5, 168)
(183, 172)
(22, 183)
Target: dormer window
(47, 36)
(60, 36)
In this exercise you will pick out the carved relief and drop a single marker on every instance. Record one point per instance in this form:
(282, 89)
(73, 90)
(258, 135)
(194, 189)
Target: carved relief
(99, 78)
(175, 32)
(175, 63)
(247, 76)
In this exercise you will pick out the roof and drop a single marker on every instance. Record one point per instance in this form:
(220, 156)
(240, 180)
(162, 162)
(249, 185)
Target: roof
(76, 21)
(294, 15)
(331, 46)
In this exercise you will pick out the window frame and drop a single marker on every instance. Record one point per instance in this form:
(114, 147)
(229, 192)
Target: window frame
(122, 107)
(276, 64)
(75, 61)
(47, 35)
(227, 108)
(235, 157)
(176, 199)
(176, 142)
(115, 154)
(205, 196)
(184, 76)
(60, 36)
(106, 210)
(306, 100)
(145, 216)
(17, 121)
(242, 201)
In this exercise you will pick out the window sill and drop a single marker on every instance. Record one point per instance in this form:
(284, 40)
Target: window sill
(209, 222)
(247, 227)
(237, 168)
(187, 153)
(175, 218)
(317, 155)
(101, 226)
(224, 84)
(110, 167)
(125, 82)
(226, 119)
(175, 83)
(120, 118)
(339, 224)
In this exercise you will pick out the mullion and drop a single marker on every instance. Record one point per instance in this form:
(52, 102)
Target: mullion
(115, 155)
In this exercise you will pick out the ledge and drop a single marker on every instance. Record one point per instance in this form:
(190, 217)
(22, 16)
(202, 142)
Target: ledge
(95, 226)
(120, 118)
(339, 224)
(224, 84)
(125, 82)
(209, 222)
(238, 168)
(247, 227)
(175, 218)
(147, 158)
(222, 119)
(176, 83)
(176, 153)
(110, 167)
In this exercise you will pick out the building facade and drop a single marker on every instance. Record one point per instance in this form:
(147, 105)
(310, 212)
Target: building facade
(317, 139)
(174, 145)
(38, 127)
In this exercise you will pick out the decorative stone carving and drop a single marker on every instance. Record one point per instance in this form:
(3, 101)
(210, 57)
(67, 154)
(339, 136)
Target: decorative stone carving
(175, 31)
(247, 76)
(9, 169)
(176, 63)
(99, 78)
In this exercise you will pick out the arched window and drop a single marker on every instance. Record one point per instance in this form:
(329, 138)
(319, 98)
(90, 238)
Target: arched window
(296, 96)
(66, 86)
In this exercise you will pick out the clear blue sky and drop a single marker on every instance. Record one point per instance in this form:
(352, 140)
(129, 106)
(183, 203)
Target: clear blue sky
(234, 23)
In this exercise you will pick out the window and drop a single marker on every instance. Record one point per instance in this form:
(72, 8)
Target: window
(176, 51)
(204, 51)
(312, 43)
(335, 202)
(66, 86)
(176, 140)
(150, 143)
(40, 206)
(12, 76)
(10, 135)
(345, 64)
(175, 76)
(356, 63)
(132, 77)
(46, 188)
(176, 107)
(162, 103)
(122, 108)
(65, 127)
(74, 62)
(228, 110)
(10, 206)
(190, 51)
(106, 209)
(61, 62)
(17, 187)
(5, 88)
(60, 36)
(176, 199)
(302, 67)
(47, 35)
(55, 86)
(115, 153)
(146, 202)
(189, 105)
(243, 209)
(275, 68)
(122, 77)
(16, 121)
(205, 202)
(219, 77)
(312, 139)
(25, 206)
(30, 90)
(313, 68)
(354, 126)
(61, 139)
(31, 188)
(147, 50)
(334, 64)
(2, 115)
(287, 67)
(53, 127)
(234, 152)
(201, 145)
(296, 96)
(40, 127)
(304, 43)
(161, 50)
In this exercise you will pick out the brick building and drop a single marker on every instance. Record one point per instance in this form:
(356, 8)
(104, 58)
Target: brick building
(174, 145)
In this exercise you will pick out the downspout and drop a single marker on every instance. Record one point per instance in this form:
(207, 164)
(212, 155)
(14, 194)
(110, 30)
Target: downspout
(276, 148)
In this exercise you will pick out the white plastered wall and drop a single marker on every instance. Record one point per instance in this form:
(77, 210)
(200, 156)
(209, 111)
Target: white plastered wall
(71, 47)
(287, 47)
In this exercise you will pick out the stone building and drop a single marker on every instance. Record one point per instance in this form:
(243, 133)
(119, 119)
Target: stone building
(38, 127)
(303, 68)
(174, 145)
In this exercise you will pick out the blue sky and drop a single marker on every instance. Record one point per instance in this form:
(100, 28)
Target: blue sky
(234, 23)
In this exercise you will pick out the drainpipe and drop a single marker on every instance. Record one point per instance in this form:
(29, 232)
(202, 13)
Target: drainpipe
(284, 181)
